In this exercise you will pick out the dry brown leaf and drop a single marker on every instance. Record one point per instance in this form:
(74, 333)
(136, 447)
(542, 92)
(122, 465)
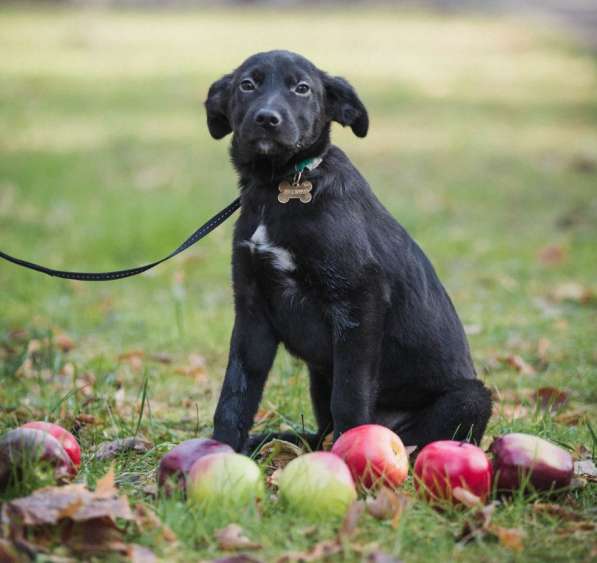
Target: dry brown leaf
(552, 255)
(572, 417)
(141, 554)
(477, 524)
(147, 520)
(543, 346)
(586, 468)
(9, 553)
(49, 505)
(519, 364)
(550, 398)
(195, 368)
(241, 558)
(388, 505)
(572, 291)
(351, 519)
(381, 557)
(279, 453)
(64, 342)
(106, 485)
(511, 538)
(109, 450)
(556, 510)
(467, 498)
(321, 550)
(233, 537)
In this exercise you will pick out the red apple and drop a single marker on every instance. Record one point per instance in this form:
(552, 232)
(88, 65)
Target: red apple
(22, 448)
(176, 464)
(374, 454)
(318, 484)
(68, 441)
(442, 466)
(520, 459)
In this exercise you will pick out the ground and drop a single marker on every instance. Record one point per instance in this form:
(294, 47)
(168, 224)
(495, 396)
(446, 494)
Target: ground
(483, 143)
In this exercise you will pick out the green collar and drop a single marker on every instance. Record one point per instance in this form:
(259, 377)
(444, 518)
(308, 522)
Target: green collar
(308, 164)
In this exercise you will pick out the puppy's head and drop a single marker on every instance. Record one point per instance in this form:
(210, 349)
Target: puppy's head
(278, 104)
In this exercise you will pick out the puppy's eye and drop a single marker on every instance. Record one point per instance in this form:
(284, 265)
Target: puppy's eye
(247, 85)
(302, 89)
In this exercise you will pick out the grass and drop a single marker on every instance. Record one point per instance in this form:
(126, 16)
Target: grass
(483, 144)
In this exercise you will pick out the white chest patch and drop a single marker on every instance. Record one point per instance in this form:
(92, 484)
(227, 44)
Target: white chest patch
(259, 242)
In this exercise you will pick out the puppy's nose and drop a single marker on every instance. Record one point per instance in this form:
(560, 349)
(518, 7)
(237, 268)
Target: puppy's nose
(268, 118)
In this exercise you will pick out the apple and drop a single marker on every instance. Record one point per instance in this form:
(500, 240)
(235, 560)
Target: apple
(27, 447)
(317, 484)
(374, 454)
(224, 480)
(444, 465)
(176, 464)
(520, 459)
(68, 441)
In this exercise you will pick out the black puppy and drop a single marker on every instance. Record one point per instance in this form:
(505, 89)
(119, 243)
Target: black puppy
(332, 275)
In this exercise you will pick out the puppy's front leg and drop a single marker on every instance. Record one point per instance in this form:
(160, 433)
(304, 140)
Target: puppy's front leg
(357, 352)
(252, 351)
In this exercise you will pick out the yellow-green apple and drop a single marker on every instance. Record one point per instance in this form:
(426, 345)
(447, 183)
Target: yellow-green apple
(176, 464)
(224, 480)
(317, 484)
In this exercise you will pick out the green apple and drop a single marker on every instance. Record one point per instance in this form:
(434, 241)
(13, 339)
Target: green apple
(224, 480)
(317, 485)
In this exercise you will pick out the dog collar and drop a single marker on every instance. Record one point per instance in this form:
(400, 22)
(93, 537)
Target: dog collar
(297, 189)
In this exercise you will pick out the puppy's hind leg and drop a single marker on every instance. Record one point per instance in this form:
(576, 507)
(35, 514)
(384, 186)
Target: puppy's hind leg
(460, 413)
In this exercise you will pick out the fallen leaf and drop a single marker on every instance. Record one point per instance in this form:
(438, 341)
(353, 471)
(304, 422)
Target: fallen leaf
(387, 505)
(586, 468)
(195, 368)
(477, 523)
(241, 558)
(9, 553)
(232, 537)
(556, 510)
(141, 554)
(351, 519)
(380, 557)
(467, 498)
(572, 291)
(64, 342)
(279, 453)
(109, 450)
(321, 550)
(572, 417)
(550, 398)
(552, 255)
(519, 364)
(543, 346)
(105, 486)
(511, 538)
(147, 520)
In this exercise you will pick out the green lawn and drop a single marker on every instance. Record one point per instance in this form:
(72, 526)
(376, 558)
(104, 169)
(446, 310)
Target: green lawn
(483, 143)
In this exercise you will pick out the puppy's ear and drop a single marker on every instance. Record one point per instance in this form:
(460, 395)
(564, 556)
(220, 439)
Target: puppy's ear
(343, 105)
(216, 105)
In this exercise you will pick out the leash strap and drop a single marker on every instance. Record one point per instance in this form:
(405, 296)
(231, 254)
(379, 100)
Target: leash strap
(119, 274)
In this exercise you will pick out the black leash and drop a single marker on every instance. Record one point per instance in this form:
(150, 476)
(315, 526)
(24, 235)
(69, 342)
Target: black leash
(118, 274)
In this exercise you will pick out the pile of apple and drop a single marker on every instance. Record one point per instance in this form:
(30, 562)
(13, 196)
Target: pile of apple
(365, 458)
(320, 483)
(39, 442)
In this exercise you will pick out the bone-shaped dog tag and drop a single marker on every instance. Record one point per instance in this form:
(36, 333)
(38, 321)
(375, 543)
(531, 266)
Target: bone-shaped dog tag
(290, 191)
